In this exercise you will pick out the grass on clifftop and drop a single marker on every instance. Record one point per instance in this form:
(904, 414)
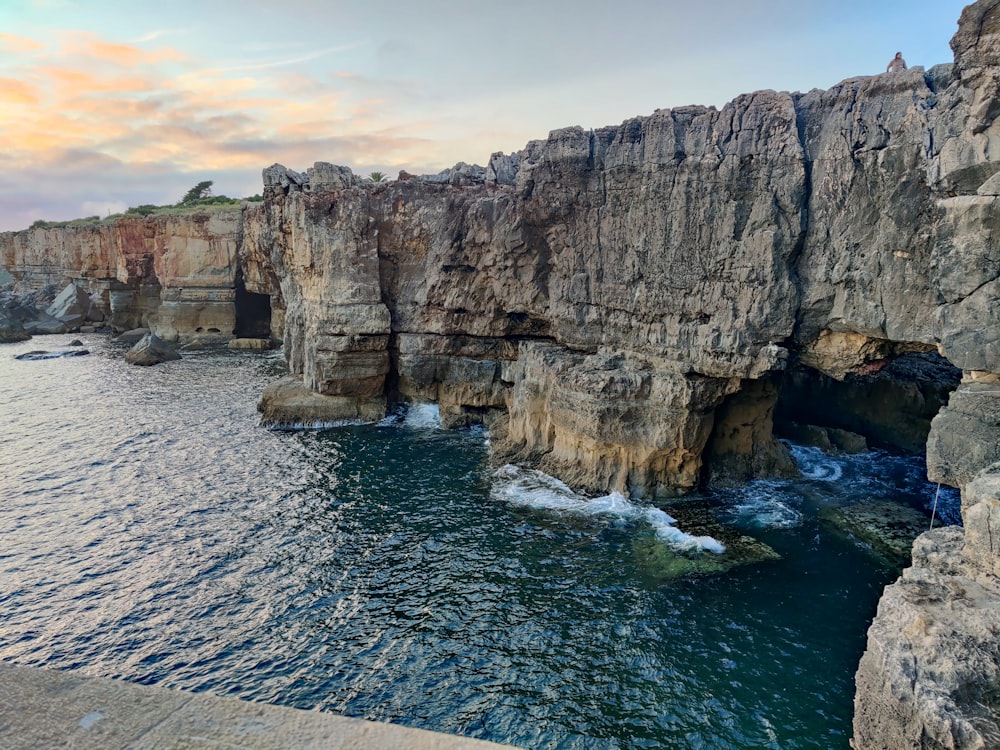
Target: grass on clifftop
(185, 207)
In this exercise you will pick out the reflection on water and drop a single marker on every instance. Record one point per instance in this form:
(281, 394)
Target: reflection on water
(151, 531)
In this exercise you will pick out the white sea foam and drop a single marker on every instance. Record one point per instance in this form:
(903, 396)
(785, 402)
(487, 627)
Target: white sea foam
(423, 417)
(814, 463)
(766, 511)
(535, 489)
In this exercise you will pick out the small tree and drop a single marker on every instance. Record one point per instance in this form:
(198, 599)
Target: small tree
(201, 190)
(377, 176)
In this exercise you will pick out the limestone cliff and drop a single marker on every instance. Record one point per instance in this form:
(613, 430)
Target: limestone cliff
(176, 274)
(689, 253)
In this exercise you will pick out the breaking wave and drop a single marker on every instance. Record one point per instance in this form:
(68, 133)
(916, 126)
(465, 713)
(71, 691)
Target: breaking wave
(535, 489)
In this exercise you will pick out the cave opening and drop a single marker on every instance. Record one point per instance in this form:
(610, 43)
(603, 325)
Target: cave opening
(253, 312)
(891, 408)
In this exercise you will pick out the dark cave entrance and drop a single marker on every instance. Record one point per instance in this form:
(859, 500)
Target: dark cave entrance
(253, 312)
(891, 408)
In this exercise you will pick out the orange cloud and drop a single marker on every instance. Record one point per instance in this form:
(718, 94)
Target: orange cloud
(14, 92)
(135, 108)
(77, 82)
(87, 45)
(19, 44)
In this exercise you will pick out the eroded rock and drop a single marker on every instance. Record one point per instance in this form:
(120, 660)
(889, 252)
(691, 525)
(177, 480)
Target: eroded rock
(151, 350)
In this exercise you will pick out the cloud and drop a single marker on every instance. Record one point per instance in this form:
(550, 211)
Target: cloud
(19, 44)
(154, 35)
(14, 92)
(284, 62)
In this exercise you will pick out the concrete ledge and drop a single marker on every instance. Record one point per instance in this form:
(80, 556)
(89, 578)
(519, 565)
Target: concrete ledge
(46, 709)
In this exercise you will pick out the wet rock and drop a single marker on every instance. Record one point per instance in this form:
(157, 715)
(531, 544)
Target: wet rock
(886, 527)
(151, 350)
(829, 439)
(695, 517)
(43, 354)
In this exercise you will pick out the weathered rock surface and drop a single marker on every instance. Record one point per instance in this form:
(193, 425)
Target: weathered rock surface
(174, 274)
(930, 673)
(151, 350)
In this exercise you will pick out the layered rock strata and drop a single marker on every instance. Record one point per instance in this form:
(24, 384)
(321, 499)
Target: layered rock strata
(174, 274)
(695, 250)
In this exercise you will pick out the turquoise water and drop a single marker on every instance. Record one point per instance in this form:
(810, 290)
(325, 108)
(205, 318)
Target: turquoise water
(151, 531)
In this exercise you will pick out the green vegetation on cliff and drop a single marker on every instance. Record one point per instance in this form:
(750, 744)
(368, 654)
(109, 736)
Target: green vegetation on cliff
(198, 198)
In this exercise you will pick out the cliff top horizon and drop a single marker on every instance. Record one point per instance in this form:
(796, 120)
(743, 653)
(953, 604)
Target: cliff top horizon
(106, 110)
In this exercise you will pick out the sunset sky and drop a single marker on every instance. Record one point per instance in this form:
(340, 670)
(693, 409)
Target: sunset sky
(110, 104)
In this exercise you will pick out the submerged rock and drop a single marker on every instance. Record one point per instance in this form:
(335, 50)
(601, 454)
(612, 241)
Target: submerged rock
(43, 354)
(151, 350)
(696, 518)
(886, 527)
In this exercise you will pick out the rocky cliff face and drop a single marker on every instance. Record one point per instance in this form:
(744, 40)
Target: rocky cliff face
(620, 304)
(617, 291)
(175, 274)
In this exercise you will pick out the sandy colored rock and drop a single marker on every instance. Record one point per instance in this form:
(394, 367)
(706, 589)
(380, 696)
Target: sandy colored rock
(287, 404)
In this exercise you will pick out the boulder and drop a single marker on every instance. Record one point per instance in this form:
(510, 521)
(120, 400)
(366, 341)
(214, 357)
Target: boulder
(71, 304)
(151, 350)
(44, 323)
(132, 337)
(11, 329)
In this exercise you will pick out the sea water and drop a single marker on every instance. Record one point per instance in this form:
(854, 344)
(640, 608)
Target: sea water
(151, 531)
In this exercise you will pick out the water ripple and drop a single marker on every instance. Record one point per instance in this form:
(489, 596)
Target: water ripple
(151, 531)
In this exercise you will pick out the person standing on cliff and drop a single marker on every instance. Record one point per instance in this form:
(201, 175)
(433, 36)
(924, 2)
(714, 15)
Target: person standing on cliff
(896, 64)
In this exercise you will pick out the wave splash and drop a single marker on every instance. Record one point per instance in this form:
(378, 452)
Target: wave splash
(815, 463)
(535, 489)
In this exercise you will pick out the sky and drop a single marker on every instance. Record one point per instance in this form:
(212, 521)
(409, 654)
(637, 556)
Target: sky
(117, 103)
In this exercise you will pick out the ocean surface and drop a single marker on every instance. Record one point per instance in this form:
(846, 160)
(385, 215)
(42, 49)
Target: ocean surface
(150, 530)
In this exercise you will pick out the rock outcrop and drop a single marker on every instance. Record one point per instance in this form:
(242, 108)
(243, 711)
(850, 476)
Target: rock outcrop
(627, 294)
(151, 350)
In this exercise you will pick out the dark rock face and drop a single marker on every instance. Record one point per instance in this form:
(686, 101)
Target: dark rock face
(891, 407)
(43, 354)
